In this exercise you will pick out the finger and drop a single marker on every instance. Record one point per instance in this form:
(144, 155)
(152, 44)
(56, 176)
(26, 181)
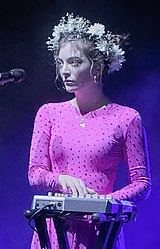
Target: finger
(71, 184)
(91, 191)
(62, 182)
(78, 187)
(64, 186)
(83, 187)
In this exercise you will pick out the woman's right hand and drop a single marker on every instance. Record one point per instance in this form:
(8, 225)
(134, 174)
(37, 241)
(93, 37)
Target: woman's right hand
(76, 185)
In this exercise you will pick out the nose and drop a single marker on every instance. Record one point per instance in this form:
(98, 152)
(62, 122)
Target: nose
(65, 71)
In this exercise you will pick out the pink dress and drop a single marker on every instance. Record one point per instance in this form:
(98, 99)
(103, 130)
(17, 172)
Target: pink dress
(89, 147)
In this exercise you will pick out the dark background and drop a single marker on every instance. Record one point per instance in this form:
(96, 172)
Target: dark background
(24, 28)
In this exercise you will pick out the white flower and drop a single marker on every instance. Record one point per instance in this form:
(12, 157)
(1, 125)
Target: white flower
(114, 66)
(70, 27)
(107, 43)
(102, 45)
(116, 58)
(50, 44)
(82, 23)
(118, 52)
(96, 29)
(56, 32)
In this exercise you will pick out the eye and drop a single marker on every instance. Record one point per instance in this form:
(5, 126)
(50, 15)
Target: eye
(59, 63)
(76, 63)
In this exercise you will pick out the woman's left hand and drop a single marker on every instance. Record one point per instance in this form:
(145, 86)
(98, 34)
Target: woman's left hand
(76, 185)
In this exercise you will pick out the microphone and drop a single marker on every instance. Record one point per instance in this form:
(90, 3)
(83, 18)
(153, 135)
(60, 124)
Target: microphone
(14, 75)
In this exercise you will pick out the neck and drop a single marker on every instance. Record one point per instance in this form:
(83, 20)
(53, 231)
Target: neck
(89, 100)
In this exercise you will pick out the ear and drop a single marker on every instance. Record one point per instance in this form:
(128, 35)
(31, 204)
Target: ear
(98, 68)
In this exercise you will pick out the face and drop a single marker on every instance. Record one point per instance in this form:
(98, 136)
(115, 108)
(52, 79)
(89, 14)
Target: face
(74, 67)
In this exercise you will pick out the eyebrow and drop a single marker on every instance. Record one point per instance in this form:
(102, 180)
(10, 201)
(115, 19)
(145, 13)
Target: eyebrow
(71, 58)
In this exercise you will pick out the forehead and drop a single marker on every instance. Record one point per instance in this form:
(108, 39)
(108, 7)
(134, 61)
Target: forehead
(70, 49)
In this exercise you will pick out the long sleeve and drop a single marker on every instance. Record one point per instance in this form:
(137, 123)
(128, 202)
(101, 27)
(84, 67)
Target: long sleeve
(39, 174)
(135, 154)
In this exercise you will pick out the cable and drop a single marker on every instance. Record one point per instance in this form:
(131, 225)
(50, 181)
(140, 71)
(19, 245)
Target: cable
(35, 214)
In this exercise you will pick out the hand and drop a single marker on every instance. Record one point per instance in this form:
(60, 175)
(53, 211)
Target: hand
(76, 185)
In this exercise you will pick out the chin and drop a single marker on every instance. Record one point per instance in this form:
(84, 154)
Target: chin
(72, 89)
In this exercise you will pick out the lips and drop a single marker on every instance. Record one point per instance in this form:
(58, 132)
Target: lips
(69, 82)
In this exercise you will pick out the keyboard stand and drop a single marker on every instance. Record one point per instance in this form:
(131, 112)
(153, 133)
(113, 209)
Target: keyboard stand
(108, 234)
(59, 225)
(41, 227)
(109, 229)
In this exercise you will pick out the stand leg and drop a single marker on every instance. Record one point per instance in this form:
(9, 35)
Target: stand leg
(104, 234)
(61, 233)
(41, 226)
(114, 234)
(109, 229)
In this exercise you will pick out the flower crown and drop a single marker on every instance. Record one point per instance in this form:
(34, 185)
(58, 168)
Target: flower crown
(107, 44)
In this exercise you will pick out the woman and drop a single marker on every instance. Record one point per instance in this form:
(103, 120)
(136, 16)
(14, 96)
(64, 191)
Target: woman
(77, 145)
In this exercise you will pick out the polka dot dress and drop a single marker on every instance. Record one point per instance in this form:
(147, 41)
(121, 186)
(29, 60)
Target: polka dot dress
(89, 147)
